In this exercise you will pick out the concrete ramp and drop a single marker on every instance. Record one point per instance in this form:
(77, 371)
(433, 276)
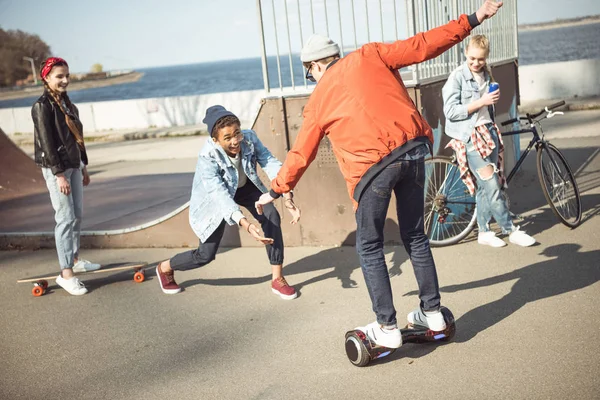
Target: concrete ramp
(19, 176)
(142, 210)
(136, 211)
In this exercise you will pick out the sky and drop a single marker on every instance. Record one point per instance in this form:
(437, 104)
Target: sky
(130, 34)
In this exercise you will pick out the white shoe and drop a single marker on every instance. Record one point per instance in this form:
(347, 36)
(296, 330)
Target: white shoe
(433, 320)
(490, 239)
(85, 266)
(74, 286)
(521, 238)
(390, 338)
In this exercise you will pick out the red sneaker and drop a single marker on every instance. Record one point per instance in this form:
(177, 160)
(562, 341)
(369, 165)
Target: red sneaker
(280, 286)
(167, 281)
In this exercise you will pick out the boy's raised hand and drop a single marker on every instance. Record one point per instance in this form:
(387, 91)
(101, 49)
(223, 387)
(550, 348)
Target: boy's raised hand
(488, 9)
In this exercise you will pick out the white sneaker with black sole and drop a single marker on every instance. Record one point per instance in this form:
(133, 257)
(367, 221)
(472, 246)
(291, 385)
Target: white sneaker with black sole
(390, 338)
(433, 320)
(73, 286)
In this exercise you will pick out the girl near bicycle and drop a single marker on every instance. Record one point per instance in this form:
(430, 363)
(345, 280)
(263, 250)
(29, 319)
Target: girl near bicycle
(60, 152)
(477, 142)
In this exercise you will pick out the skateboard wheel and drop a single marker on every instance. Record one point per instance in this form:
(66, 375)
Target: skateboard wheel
(44, 283)
(139, 277)
(37, 291)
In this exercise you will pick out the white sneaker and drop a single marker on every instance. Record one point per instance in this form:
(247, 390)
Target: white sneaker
(390, 338)
(74, 286)
(85, 266)
(521, 238)
(490, 239)
(433, 320)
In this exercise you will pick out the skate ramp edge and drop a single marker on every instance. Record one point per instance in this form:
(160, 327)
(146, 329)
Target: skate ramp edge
(170, 230)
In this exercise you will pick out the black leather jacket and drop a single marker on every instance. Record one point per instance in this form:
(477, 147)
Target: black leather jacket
(55, 145)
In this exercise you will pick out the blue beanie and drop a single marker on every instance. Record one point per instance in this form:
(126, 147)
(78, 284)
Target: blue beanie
(213, 114)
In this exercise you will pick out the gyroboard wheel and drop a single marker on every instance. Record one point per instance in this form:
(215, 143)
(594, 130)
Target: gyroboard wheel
(356, 351)
(139, 277)
(37, 291)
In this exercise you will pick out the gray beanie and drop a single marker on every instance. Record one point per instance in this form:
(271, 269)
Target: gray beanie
(318, 47)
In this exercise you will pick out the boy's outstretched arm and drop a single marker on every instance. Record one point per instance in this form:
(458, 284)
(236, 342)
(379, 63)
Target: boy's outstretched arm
(427, 45)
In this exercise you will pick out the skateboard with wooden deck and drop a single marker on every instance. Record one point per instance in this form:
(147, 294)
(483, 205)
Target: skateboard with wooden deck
(40, 283)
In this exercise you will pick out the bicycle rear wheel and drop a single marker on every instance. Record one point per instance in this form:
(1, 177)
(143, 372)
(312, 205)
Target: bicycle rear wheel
(559, 185)
(450, 210)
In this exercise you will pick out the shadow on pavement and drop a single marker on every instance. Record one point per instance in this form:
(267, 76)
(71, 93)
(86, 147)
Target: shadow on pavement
(535, 224)
(342, 260)
(566, 270)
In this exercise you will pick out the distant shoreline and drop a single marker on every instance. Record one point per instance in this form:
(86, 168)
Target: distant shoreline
(37, 91)
(559, 24)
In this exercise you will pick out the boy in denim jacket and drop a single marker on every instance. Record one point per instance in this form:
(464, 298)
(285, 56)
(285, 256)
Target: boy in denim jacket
(225, 179)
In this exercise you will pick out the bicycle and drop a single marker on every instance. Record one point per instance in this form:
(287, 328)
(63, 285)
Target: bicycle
(450, 210)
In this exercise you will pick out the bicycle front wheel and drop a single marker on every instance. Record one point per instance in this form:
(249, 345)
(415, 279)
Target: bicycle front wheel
(559, 185)
(450, 210)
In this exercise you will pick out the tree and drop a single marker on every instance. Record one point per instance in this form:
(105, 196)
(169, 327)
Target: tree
(14, 45)
(97, 68)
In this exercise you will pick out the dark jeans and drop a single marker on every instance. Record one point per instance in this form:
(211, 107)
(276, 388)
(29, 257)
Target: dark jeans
(406, 179)
(270, 222)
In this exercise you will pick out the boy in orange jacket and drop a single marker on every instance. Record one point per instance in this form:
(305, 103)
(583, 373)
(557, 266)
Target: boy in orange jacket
(380, 141)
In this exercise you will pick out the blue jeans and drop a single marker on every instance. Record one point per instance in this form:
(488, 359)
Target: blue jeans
(406, 179)
(490, 196)
(68, 210)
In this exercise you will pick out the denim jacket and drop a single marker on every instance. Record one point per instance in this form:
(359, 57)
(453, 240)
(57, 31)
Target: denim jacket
(216, 180)
(460, 90)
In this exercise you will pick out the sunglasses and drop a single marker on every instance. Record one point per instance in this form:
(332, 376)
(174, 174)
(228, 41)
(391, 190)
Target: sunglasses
(309, 76)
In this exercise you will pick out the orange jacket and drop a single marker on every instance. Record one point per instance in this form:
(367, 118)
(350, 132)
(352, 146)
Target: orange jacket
(363, 106)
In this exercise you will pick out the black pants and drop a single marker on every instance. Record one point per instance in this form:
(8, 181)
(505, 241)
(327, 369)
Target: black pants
(270, 222)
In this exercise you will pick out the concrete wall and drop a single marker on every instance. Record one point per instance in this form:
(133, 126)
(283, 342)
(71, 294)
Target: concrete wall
(145, 113)
(561, 80)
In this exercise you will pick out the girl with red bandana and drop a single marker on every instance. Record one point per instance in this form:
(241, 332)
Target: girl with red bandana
(60, 152)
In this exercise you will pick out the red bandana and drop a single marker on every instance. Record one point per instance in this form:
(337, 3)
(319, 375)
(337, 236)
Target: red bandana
(49, 64)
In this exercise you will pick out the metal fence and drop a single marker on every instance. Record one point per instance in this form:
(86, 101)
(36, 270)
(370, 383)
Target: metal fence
(285, 25)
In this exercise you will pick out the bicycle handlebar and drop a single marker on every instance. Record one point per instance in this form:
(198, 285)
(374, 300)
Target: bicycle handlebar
(534, 116)
(510, 121)
(556, 105)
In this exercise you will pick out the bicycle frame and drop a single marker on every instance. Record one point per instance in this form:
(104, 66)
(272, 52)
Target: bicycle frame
(532, 119)
(536, 139)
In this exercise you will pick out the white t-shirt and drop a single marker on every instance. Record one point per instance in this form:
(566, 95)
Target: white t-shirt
(237, 163)
(483, 115)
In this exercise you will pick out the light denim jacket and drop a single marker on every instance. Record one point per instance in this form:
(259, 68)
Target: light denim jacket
(460, 90)
(216, 180)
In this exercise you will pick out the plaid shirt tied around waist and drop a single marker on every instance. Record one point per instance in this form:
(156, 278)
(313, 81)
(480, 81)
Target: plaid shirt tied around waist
(484, 144)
